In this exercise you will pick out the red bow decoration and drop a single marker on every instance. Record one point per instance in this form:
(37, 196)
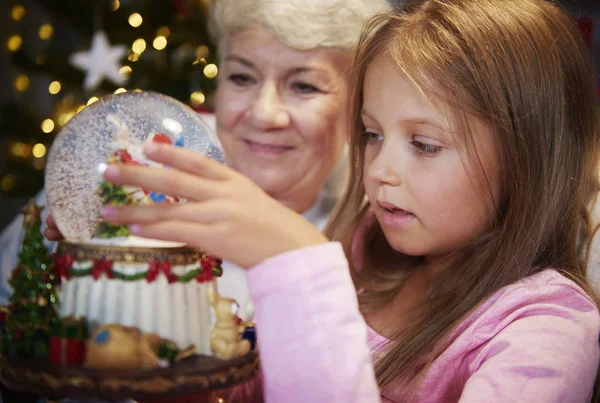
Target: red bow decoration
(206, 263)
(157, 267)
(62, 266)
(100, 267)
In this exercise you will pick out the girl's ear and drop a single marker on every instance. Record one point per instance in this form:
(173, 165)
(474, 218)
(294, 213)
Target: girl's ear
(359, 240)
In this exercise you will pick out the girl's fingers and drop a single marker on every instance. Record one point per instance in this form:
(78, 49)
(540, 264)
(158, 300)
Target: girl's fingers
(193, 234)
(187, 161)
(205, 212)
(161, 180)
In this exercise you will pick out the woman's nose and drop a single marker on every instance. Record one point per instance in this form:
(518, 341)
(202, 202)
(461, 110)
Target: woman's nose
(269, 110)
(385, 169)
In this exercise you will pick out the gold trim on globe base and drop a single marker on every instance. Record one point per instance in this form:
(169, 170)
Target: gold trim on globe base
(128, 254)
(64, 382)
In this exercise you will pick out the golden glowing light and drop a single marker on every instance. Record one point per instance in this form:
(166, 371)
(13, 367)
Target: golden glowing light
(65, 117)
(159, 43)
(92, 100)
(18, 12)
(19, 149)
(39, 150)
(132, 56)
(139, 45)
(81, 107)
(47, 125)
(137, 90)
(45, 32)
(115, 5)
(14, 43)
(40, 59)
(197, 98)
(120, 90)
(125, 71)
(163, 31)
(201, 51)
(135, 20)
(54, 87)
(9, 182)
(22, 83)
(211, 70)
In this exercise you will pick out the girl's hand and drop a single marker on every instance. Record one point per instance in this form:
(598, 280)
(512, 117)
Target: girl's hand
(52, 233)
(227, 214)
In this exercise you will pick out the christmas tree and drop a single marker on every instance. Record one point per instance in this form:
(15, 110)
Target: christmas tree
(32, 317)
(64, 54)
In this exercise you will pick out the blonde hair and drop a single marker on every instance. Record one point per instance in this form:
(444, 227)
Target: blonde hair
(298, 24)
(522, 68)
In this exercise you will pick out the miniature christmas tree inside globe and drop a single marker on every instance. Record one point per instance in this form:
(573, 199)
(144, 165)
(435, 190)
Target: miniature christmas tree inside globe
(114, 130)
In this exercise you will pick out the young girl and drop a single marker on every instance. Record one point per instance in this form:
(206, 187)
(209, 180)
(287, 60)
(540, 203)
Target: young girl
(475, 141)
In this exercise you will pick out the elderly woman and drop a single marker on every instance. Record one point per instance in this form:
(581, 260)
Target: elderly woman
(280, 106)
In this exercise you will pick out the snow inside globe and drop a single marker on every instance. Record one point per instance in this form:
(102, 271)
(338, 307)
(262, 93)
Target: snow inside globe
(114, 129)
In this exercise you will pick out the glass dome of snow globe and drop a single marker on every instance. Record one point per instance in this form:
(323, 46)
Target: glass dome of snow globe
(115, 128)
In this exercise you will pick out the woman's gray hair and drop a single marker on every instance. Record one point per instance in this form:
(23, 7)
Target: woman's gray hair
(298, 24)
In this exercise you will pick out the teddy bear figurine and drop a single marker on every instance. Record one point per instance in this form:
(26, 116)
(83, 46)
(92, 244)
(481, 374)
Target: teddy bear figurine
(114, 346)
(226, 335)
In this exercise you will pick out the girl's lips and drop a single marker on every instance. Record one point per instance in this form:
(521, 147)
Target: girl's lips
(395, 217)
(267, 149)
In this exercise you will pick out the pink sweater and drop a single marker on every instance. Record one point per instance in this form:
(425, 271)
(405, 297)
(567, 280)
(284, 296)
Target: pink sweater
(533, 341)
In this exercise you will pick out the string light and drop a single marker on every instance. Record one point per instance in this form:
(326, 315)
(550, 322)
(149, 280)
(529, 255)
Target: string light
(135, 20)
(201, 51)
(54, 87)
(47, 125)
(125, 71)
(65, 117)
(92, 100)
(9, 182)
(159, 43)
(120, 90)
(163, 31)
(22, 83)
(38, 150)
(211, 70)
(115, 5)
(14, 43)
(139, 45)
(132, 56)
(18, 12)
(45, 32)
(19, 149)
(38, 163)
(197, 98)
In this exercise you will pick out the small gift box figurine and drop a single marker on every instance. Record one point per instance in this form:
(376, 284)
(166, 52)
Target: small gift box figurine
(67, 346)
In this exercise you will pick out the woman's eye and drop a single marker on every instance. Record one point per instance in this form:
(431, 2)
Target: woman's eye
(425, 148)
(371, 137)
(241, 79)
(304, 88)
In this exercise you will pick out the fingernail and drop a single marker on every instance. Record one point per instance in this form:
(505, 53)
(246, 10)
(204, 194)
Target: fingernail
(150, 148)
(109, 212)
(134, 228)
(110, 171)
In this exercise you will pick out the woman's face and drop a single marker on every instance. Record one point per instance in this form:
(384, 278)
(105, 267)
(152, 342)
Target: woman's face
(281, 114)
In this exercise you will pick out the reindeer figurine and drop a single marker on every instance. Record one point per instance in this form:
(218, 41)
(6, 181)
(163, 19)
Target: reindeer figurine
(226, 336)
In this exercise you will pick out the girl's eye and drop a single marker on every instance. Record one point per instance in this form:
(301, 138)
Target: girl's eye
(426, 149)
(371, 137)
(304, 88)
(241, 79)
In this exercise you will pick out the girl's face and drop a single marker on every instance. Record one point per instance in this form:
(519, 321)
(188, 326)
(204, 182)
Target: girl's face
(426, 199)
(281, 114)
